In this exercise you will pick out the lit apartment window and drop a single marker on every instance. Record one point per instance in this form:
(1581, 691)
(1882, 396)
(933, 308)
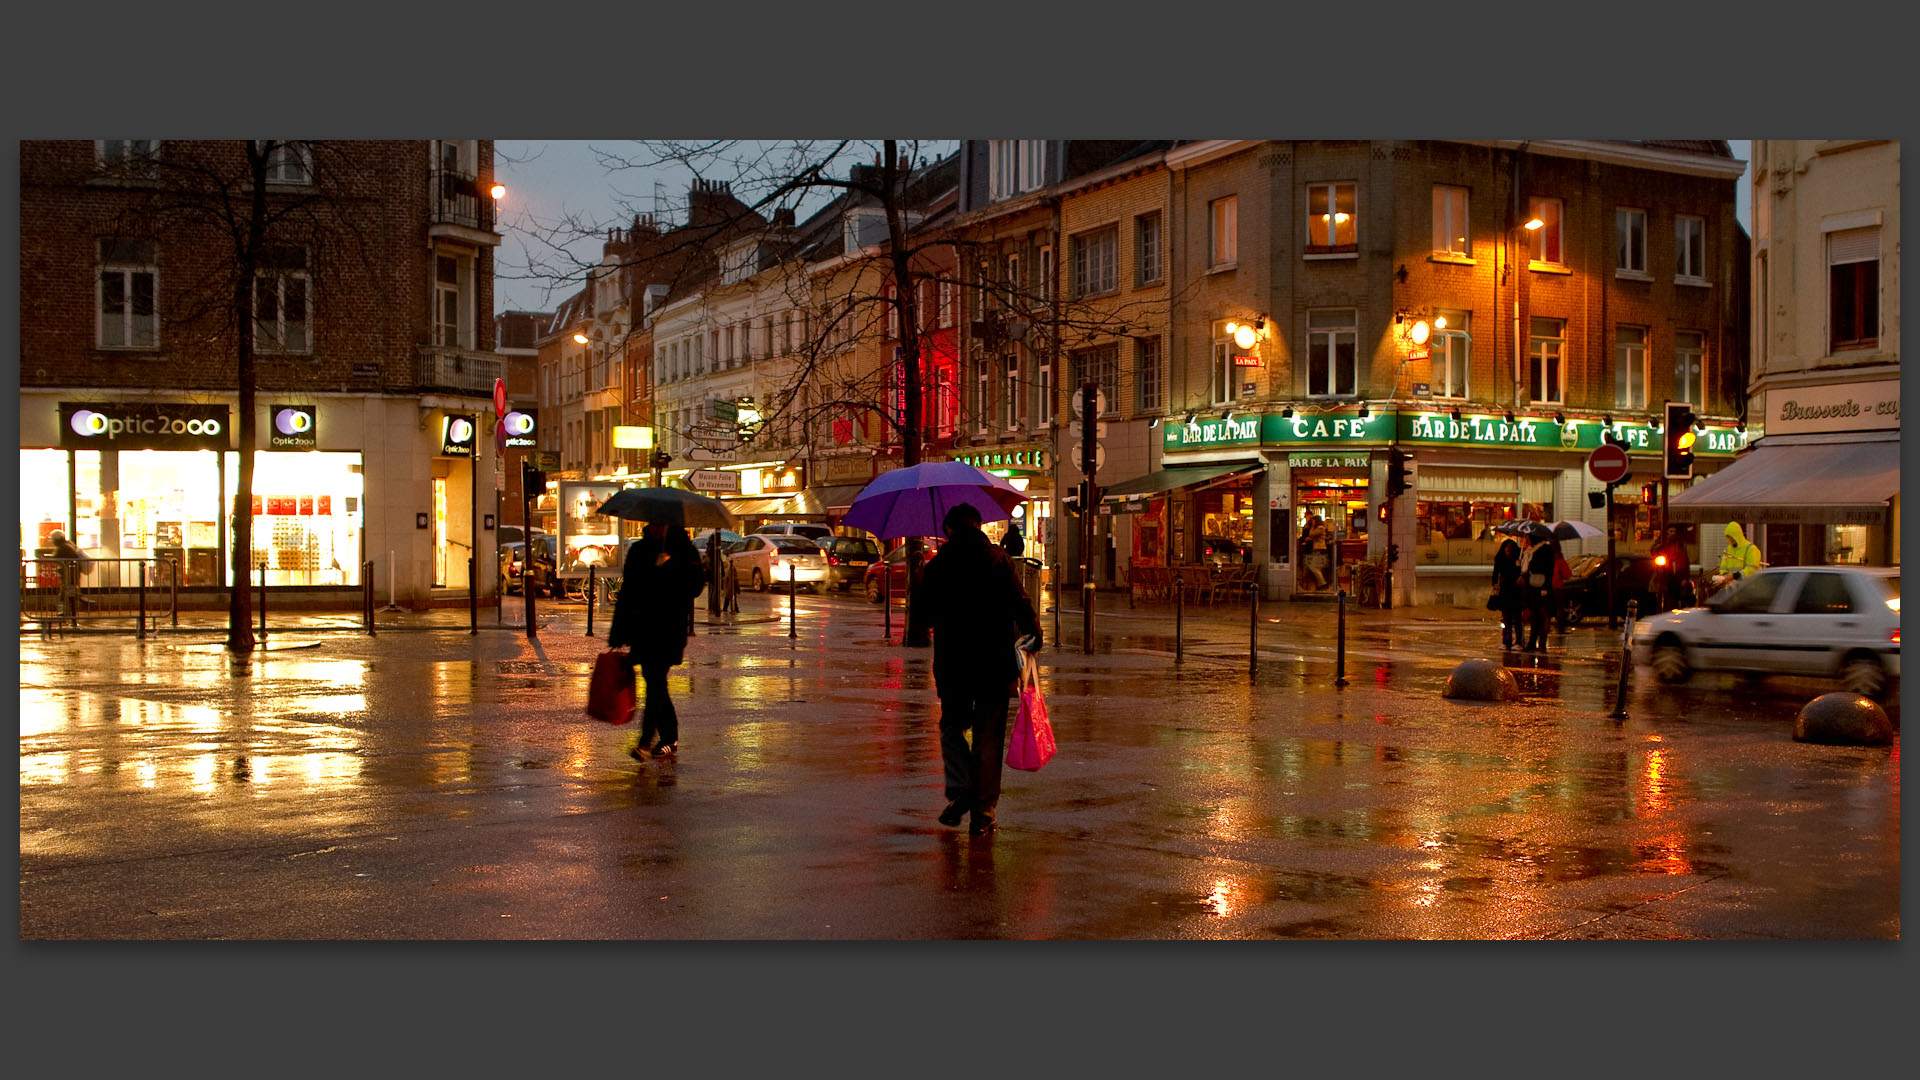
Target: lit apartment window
(1546, 240)
(128, 272)
(1332, 220)
(1547, 360)
(1853, 293)
(1452, 355)
(1450, 236)
(1146, 362)
(1096, 262)
(1630, 366)
(1146, 249)
(283, 302)
(1333, 357)
(1630, 235)
(1223, 231)
(1690, 368)
(1689, 248)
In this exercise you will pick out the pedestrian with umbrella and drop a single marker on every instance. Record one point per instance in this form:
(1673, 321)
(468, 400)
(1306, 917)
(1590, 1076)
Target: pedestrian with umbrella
(1507, 593)
(661, 578)
(1542, 555)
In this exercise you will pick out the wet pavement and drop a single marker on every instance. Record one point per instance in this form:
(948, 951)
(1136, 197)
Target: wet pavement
(431, 783)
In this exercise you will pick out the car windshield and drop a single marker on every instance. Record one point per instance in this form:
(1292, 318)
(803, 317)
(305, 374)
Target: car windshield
(793, 543)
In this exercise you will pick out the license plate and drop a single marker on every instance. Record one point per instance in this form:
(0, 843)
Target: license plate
(857, 562)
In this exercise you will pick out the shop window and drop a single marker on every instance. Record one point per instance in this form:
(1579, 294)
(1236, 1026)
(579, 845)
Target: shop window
(283, 302)
(1630, 367)
(129, 318)
(1845, 545)
(1333, 362)
(1455, 528)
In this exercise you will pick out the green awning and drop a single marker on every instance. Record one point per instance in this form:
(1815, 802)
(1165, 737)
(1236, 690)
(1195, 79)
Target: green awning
(1168, 479)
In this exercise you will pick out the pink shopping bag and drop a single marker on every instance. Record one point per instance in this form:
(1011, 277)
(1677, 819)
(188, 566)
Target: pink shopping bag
(1030, 743)
(610, 690)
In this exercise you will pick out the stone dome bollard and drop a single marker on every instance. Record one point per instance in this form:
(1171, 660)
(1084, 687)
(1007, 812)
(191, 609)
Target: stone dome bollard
(1481, 680)
(1843, 719)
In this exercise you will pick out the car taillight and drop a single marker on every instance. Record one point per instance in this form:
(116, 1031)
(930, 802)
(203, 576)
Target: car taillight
(1659, 560)
(1896, 635)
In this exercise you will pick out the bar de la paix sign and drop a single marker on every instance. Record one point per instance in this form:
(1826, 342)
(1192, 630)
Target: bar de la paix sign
(1426, 428)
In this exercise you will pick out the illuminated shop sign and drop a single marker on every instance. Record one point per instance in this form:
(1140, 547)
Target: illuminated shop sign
(456, 435)
(1027, 459)
(519, 428)
(129, 426)
(292, 427)
(1425, 428)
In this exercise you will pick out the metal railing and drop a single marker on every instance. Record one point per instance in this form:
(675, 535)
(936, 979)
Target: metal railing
(460, 369)
(456, 200)
(105, 593)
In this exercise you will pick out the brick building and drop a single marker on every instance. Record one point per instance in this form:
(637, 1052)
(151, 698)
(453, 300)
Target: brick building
(367, 298)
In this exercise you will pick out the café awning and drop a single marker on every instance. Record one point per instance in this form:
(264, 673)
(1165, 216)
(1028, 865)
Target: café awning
(1817, 483)
(1161, 480)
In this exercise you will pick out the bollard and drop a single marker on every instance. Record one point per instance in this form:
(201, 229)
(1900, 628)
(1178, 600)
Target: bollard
(1340, 645)
(142, 635)
(592, 587)
(263, 605)
(793, 627)
(173, 591)
(473, 597)
(1253, 629)
(1179, 617)
(366, 596)
(1626, 663)
(886, 598)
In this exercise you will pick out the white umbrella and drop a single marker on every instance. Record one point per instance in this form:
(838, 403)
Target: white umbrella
(1576, 530)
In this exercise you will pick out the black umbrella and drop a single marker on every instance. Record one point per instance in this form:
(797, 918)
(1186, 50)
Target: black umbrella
(671, 506)
(1530, 530)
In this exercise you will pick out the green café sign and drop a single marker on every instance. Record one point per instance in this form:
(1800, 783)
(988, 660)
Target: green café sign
(1425, 428)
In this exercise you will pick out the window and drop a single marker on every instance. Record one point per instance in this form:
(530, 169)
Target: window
(1629, 367)
(982, 397)
(1045, 288)
(128, 151)
(1016, 285)
(1101, 366)
(1546, 239)
(1015, 166)
(1146, 249)
(944, 406)
(1853, 294)
(1630, 233)
(1755, 597)
(1223, 235)
(290, 162)
(1095, 262)
(128, 316)
(282, 302)
(1452, 354)
(1016, 411)
(1547, 360)
(1450, 235)
(1220, 377)
(1332, 222)
(1690, 248)
(892, 302)
(946, 303)
(1690, 368)
(1333, 359)
(1146, 362)
(1043, 391)
(1824, 594)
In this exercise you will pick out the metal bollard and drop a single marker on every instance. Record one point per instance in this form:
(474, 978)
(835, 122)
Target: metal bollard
(1340, 646)
(1253, 629)
(793, 586)
(473, 597)
(1626, 663)
(592, 587)
(1179, 617)
(366, 601)
(142, 634)
(263, 606)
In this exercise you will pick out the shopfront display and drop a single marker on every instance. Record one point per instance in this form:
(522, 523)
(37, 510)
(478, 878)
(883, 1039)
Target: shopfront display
(1330, 526)
(1457, 508)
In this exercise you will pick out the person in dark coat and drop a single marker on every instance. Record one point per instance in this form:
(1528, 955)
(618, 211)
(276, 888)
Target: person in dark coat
(650, 618)
(1016, 546)
(971, 598)
(1507, 592)
(1673, 569)
(1538, 588)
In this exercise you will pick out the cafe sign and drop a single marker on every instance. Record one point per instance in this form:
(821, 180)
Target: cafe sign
(1836, 407)
(1421, 427)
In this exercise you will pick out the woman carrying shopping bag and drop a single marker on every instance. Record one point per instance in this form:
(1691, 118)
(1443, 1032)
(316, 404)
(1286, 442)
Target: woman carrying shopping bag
(650, 617)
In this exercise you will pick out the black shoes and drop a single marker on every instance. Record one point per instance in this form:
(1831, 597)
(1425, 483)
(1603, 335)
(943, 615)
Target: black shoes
(981, 825)
(954, 812)
(639, 754)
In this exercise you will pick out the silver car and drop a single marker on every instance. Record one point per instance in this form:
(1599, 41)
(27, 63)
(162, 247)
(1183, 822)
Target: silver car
(1829, 621)
(761, 561)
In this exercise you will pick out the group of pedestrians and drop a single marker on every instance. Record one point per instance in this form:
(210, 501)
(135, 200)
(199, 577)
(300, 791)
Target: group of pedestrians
(1526, 585)
(969, 595)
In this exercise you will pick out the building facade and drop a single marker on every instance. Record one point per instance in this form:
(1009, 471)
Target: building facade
(374, 362)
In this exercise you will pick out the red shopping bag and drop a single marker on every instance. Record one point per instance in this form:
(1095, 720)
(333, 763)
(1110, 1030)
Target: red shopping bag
(1030, 743)
(610, 691)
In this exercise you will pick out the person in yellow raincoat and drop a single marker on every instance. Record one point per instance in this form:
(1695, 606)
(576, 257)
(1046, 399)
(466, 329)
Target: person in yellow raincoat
(1742, 556)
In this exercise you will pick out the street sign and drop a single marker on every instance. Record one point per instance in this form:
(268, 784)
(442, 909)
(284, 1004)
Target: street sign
(1608, 464)
(1099, 403)
(499, 397)
(1076, 429)
(714, 480)
(727, 412)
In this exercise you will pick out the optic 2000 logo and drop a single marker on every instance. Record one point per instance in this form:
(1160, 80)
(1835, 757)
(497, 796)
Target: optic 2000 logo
(89, 424)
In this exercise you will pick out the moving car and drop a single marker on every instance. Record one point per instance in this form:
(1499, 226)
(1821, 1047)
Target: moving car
(1829, 621)
(764, 560)
(545, 574)
(1584, 596)
(894, 565)
(812, 530)
(848, 558)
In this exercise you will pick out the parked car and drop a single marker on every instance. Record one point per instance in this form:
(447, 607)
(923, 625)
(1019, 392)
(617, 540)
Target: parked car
(810, 529)
(729, 542)
(894, 565)
(1585, 594)
(545, 573)
(764, 560)
(848, 558)
(1829, 621)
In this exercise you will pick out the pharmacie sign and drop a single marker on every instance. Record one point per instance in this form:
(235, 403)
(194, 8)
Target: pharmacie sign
(143, 426)
(1016, 459)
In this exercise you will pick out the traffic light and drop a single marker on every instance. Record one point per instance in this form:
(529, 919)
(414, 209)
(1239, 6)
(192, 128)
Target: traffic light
(1650, 494)
(532, 479)
(661, 459)
(1393, 554)
(1679, 436)
(1385, 511)
(1397, 480)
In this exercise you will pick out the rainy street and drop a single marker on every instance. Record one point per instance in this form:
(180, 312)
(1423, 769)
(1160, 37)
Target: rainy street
(429, 783)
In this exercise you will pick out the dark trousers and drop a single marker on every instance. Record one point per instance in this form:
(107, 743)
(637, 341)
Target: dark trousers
(1512, 628)
(657, 715)
(1537, 624)
(973, 772)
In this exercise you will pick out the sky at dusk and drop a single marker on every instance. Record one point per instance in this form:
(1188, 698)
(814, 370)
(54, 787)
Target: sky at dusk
(549, 182)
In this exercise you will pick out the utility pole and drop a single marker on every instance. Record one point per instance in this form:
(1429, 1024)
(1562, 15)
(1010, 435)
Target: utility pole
(1089, 462)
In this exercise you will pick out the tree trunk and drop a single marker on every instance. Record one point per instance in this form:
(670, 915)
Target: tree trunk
(240, 600)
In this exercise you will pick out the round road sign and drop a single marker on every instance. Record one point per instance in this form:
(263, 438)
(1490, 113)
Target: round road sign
(1608, 464)
(499, 397)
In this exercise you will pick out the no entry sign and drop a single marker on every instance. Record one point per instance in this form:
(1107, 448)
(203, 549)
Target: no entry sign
(1608, 464)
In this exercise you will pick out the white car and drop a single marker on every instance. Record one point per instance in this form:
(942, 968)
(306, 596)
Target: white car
(1830, 621)
(765, 560)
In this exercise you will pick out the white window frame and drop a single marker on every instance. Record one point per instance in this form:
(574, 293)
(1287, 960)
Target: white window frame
(1011, 390)
(1045, 287)
(1015, 166)
(461, 289)
(1632, 366)
(1220, 369)
(1547, 245)
(121, 152)
(1150, 385)
(1629, 226)
(1149, 263)
(1690, 367)
(982, 394)
(946, 304)
(127, 272)
(943, 409)
(273, 336)
(290, 162)
(1223, 232)
(1689, 248)
(1453, 349)
(1330, 335)
(1106, 375)
(1015, 284)
(1043, 390)
(1096, 276)
(1324, 227)
(1450, 236)
(1547, 361)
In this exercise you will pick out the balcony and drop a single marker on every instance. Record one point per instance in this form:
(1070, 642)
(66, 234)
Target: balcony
(458, 208)
(465, 370)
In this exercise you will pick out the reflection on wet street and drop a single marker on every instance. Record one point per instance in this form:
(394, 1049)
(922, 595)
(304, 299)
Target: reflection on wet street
(439, 785)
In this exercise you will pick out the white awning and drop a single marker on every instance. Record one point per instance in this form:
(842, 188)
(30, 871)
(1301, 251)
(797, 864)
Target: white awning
(1819, 483)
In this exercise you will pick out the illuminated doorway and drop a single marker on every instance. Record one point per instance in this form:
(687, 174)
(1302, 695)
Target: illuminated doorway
(439, 532)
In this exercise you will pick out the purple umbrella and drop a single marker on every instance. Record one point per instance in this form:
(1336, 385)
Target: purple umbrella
(913, 501)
